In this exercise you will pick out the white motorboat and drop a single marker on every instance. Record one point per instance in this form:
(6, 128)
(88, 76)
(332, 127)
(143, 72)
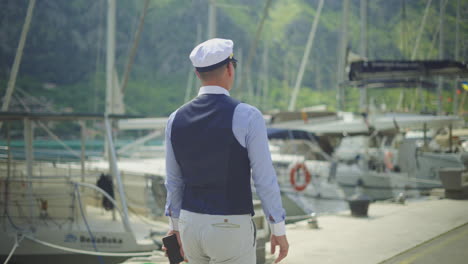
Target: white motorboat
(381, 160)
(304, 174)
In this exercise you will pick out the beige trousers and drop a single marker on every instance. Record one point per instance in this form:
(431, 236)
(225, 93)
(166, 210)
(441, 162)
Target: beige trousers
(212, 239)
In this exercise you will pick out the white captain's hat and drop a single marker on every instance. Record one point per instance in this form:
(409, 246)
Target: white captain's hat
(212, 54)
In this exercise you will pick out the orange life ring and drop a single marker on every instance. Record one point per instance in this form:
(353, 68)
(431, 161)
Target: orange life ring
(292, 177)
(388, 160)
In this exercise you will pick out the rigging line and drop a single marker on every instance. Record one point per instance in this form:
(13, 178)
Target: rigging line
(8, 214)
(421, 28)
(436, 36)
(26, 94)
(305, 58)
(29, 96)
(141, 217)
(403, 28)
(18, 56)
(41, 124)
(93, 240)
(253, 45)
(7, 180)
(98, 54)
(94, 187)
(15, 246)
(134, 47)
(192, 74)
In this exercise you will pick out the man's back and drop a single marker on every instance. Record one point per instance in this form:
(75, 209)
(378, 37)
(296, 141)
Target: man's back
(215, 167)
(214, 146)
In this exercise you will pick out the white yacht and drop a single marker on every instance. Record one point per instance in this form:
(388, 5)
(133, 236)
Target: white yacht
(304, 174)
(374, 154)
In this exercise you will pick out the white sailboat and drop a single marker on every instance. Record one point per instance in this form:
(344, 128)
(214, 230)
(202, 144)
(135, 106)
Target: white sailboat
(51, 212)
(54, 212)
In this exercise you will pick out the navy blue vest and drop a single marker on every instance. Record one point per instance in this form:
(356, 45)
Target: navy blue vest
(215, 167)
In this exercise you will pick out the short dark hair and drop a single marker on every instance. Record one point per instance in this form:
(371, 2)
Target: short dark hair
(213, 74)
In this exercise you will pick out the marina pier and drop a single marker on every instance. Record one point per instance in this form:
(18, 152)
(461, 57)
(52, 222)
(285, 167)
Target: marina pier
(423, 231)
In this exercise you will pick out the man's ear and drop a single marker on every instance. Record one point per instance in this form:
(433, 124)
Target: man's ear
(230, 69)
(198, 74)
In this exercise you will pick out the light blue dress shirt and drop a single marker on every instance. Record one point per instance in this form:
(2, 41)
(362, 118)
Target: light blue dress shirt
(250, 131)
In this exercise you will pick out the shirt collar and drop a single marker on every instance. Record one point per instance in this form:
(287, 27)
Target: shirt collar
(212, 89)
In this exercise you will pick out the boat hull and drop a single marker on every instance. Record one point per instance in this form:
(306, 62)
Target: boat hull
(30, 251)
(381, 185)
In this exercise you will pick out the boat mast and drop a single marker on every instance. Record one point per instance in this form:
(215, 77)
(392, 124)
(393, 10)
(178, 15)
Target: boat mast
(342, 57)
(28, 126)
(253, 47)
(305, 58)
(403, 45)
(419, 93)
(420, 31)
(111, 103)
(441, 56)
(131, 58)
(191, 74)
(457, 57)
(110, 53)
(211, 19)
(18, 56)
(363, 51)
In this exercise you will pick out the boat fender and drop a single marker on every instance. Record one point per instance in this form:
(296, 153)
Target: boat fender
(292, 176)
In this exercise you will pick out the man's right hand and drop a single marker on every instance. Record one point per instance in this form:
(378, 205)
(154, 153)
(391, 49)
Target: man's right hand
(283, 244)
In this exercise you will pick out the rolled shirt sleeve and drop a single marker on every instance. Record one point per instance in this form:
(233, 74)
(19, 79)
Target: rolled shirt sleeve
(174, 183)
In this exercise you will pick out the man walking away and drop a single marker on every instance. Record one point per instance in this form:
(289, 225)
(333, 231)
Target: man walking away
(215, 145)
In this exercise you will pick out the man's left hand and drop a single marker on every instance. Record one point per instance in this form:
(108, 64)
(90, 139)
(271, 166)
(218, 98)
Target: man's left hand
(178, 240)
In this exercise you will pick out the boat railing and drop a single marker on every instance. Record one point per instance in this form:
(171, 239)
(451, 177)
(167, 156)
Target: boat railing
(29, 204)
(17, 168)
(142, 196)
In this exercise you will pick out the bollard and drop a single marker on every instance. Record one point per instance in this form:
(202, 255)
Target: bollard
(312, 222)
(455, 182)
(359, 205)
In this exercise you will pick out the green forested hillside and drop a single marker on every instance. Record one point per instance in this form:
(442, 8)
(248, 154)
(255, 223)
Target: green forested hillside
(64, 58)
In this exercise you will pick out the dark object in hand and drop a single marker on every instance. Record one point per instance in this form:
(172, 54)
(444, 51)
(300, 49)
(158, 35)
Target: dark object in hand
(173, 249)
